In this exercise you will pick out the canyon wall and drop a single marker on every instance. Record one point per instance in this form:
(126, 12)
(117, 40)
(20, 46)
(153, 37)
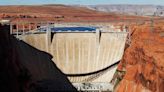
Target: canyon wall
(143, 60)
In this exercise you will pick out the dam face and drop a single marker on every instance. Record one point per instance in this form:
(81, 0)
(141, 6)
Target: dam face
(80, 53)
(83, 56)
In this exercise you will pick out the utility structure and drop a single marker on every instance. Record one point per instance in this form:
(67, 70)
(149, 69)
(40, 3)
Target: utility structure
(88, 55)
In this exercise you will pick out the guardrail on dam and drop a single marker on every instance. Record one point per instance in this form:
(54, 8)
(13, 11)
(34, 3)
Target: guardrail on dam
(82, 55)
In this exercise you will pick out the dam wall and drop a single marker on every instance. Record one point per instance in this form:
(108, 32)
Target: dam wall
(85, 52)
(82, 53)
(36, 40)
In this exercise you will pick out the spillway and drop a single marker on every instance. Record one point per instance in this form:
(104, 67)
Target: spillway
(82, 55)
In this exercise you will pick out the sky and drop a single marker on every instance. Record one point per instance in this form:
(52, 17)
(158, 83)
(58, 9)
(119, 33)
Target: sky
(80, 2)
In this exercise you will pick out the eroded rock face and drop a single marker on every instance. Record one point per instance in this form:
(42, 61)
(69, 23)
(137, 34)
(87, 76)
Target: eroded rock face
(143, 61)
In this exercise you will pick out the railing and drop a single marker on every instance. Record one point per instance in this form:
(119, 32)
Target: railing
(30, 28)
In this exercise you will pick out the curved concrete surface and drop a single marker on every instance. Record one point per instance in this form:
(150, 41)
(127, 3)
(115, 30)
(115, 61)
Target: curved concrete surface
(76, 53)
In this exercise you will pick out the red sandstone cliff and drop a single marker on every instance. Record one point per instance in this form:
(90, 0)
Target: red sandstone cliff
(143, 61)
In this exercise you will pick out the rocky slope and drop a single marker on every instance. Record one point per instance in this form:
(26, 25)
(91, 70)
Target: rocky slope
(140, 10)
(143, 61)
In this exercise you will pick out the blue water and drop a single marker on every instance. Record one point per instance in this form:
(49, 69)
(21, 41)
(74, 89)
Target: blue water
(71, 29)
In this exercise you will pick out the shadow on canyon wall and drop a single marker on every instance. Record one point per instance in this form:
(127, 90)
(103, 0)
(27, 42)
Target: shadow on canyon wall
(24, 68)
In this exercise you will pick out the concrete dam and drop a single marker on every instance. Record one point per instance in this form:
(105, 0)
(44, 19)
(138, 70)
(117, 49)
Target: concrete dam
(81, 52)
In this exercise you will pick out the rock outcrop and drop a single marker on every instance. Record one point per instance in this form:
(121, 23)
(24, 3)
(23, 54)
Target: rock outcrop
(143, 60)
